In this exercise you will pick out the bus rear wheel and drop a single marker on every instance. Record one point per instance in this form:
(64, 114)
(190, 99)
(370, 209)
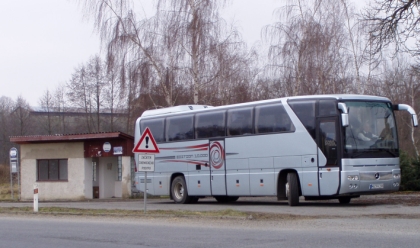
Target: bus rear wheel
(292, 189)
(179, 191)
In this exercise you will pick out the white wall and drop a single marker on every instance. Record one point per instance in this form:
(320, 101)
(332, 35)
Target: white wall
(80, 173)
(71, 189)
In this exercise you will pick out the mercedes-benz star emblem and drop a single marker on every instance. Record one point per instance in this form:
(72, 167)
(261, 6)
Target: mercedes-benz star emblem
(377, 176)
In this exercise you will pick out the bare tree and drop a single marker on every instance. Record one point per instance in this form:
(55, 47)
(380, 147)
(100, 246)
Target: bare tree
(96, 82)
(309, 49)
(399, 82)
(80, 93)
(47, 104)
(6, 108)
(178, 49)
(21, 124)
(394, 22)
(61, 106)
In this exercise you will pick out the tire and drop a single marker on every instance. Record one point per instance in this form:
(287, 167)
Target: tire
(292, 189)
(179, 191)
(226, 199)
(344, 200)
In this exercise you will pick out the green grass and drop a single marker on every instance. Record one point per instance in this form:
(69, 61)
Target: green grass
(225, 214)
(121, 213)
(6, 192)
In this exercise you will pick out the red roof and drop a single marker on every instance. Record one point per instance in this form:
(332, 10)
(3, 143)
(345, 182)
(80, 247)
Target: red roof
(68, 137)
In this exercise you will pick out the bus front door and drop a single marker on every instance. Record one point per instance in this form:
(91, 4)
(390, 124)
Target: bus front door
(328, 168)
(217, 167)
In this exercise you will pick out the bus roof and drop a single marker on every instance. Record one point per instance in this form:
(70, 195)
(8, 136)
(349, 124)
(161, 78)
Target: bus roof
(174, 109)
(183, 108)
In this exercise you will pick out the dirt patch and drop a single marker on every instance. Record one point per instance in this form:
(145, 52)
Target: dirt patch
(400, 198)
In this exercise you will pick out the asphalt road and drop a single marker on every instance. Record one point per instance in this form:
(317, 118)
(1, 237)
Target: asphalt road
(64, 231)
(369, 221)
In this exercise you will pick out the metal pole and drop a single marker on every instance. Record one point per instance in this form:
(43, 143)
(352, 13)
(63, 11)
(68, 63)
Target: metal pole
(18, 174)
(11, 184)
(145, 192)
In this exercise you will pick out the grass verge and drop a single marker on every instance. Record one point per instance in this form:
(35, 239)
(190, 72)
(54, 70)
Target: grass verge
(221, 214)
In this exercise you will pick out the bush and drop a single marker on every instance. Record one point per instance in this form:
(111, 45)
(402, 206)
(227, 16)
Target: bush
(4, 174)
(410, 172)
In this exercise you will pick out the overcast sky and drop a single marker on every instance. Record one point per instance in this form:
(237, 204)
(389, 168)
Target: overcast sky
(43, 41)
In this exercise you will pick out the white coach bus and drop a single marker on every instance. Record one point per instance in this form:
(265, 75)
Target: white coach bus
(319, 147)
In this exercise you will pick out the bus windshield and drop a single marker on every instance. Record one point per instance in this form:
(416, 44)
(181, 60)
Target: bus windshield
(371, 132)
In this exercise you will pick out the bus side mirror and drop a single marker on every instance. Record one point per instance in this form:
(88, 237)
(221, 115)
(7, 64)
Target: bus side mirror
(410, 110)
(344, 114)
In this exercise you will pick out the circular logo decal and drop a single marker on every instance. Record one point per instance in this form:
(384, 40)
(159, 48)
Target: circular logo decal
(216, 155)
(106, 147)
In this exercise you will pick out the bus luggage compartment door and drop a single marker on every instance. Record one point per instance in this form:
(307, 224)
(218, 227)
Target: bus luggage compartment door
(217, 167)
(328, 180)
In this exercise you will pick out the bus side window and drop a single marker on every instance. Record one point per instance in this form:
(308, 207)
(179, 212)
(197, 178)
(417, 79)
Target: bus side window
(179, 128)
(328, 108)
(272, 118)
(305, 111)
(155, 126)
(210, 125)
(240, 121)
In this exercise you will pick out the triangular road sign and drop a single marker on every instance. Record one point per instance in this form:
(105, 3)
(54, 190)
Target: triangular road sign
(147, 143)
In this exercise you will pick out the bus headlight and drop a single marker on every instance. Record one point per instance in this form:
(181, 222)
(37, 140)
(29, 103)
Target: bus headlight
(353, 178)
(397, 176)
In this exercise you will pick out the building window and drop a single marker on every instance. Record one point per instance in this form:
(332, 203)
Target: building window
(52, 170)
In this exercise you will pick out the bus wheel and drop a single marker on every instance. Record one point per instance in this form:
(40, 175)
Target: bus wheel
(292, 189)
(344, 200)
(179, 190)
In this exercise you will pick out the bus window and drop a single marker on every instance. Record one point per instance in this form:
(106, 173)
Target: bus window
(210, 125)
(327, 108)
(272, 118)
(179, 128)
(155, 126)
(240, 121)
(328, 141)
(305, 111)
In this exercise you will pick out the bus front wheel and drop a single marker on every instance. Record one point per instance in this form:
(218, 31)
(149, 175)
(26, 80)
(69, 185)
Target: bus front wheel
(179, 190)
(292, 189)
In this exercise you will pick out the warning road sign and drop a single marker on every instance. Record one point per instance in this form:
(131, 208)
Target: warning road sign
(147, 143)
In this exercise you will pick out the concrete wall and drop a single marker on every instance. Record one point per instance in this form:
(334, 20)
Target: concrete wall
(73, 189)
(88, 182)
(80, 173)
(126, 177)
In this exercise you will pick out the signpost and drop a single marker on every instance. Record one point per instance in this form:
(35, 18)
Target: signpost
(35, 197)
(14, 166)
(146, 148)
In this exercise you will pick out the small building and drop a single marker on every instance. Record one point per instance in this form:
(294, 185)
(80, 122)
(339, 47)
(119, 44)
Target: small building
(76, 166)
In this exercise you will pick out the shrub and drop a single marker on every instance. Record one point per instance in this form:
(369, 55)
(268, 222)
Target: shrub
(410, 172)
(4, 174)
